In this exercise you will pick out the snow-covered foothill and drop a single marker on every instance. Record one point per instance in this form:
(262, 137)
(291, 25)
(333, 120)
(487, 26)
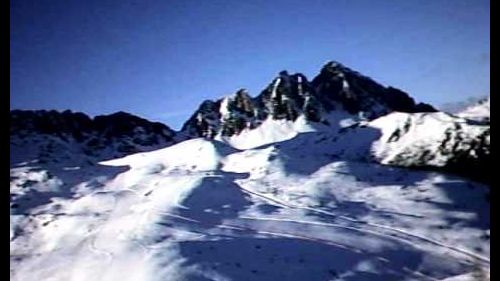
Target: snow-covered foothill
(203, 210)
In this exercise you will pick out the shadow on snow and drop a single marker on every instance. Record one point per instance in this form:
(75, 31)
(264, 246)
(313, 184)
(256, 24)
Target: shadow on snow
(297, 260)
(95, 176)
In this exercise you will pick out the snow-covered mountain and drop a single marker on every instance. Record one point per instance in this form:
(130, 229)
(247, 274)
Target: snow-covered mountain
(458, 106)
(42, 135)
(307, 181)
(436, 141)
(479, 111)
(335, 89)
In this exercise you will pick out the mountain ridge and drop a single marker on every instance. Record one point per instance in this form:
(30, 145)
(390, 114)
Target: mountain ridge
(287, 97)
(310, 192)
(98, 138)
(335, 100)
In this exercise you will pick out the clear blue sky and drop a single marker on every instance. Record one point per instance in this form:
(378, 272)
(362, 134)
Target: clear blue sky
(159, 59)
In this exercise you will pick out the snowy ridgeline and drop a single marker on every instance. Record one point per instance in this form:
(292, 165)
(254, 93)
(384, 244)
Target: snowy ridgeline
(479, 111)
(289, 97)
(284, 201)
(309, 180)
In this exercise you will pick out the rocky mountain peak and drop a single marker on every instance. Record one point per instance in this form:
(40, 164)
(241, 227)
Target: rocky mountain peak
(289, 96)
(242, 103)
(333, 67)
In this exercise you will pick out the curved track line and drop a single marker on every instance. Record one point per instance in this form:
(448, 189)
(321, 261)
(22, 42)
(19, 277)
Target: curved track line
(428, 240)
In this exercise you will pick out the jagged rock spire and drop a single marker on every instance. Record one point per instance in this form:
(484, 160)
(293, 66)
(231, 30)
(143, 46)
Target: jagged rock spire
(289, 96)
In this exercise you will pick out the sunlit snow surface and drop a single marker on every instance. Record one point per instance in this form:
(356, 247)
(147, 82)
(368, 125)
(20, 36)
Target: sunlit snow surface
(203, 210)
(479, 111)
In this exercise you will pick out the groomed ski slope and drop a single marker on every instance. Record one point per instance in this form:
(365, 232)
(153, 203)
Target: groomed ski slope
(202, 210)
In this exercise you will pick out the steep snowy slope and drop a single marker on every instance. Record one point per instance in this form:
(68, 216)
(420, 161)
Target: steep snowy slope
(202, 210)
(437, 141)
(271, 131)
(434, 140)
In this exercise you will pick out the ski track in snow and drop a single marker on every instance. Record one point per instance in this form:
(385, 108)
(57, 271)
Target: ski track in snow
(399, 231)
(247, 230)
(151, 210)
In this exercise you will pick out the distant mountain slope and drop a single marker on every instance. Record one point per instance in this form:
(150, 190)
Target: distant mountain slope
(479, 111)
(461, 105)
(53, 136)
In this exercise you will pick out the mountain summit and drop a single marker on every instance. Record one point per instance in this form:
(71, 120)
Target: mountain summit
(289, 96)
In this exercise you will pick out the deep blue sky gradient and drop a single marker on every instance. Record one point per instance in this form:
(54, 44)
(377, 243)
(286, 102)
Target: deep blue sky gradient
(160, 59)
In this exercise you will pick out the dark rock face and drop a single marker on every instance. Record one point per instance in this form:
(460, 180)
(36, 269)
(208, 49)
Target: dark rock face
(104, 136)
(49, 122)
(469, 157)
(337, 84)
(241, 114)
(288, 96)
(205, 122)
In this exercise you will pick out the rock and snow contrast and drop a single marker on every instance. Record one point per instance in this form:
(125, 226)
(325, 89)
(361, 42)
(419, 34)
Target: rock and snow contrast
(288, 97)
(335, 179)
(39, 134)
